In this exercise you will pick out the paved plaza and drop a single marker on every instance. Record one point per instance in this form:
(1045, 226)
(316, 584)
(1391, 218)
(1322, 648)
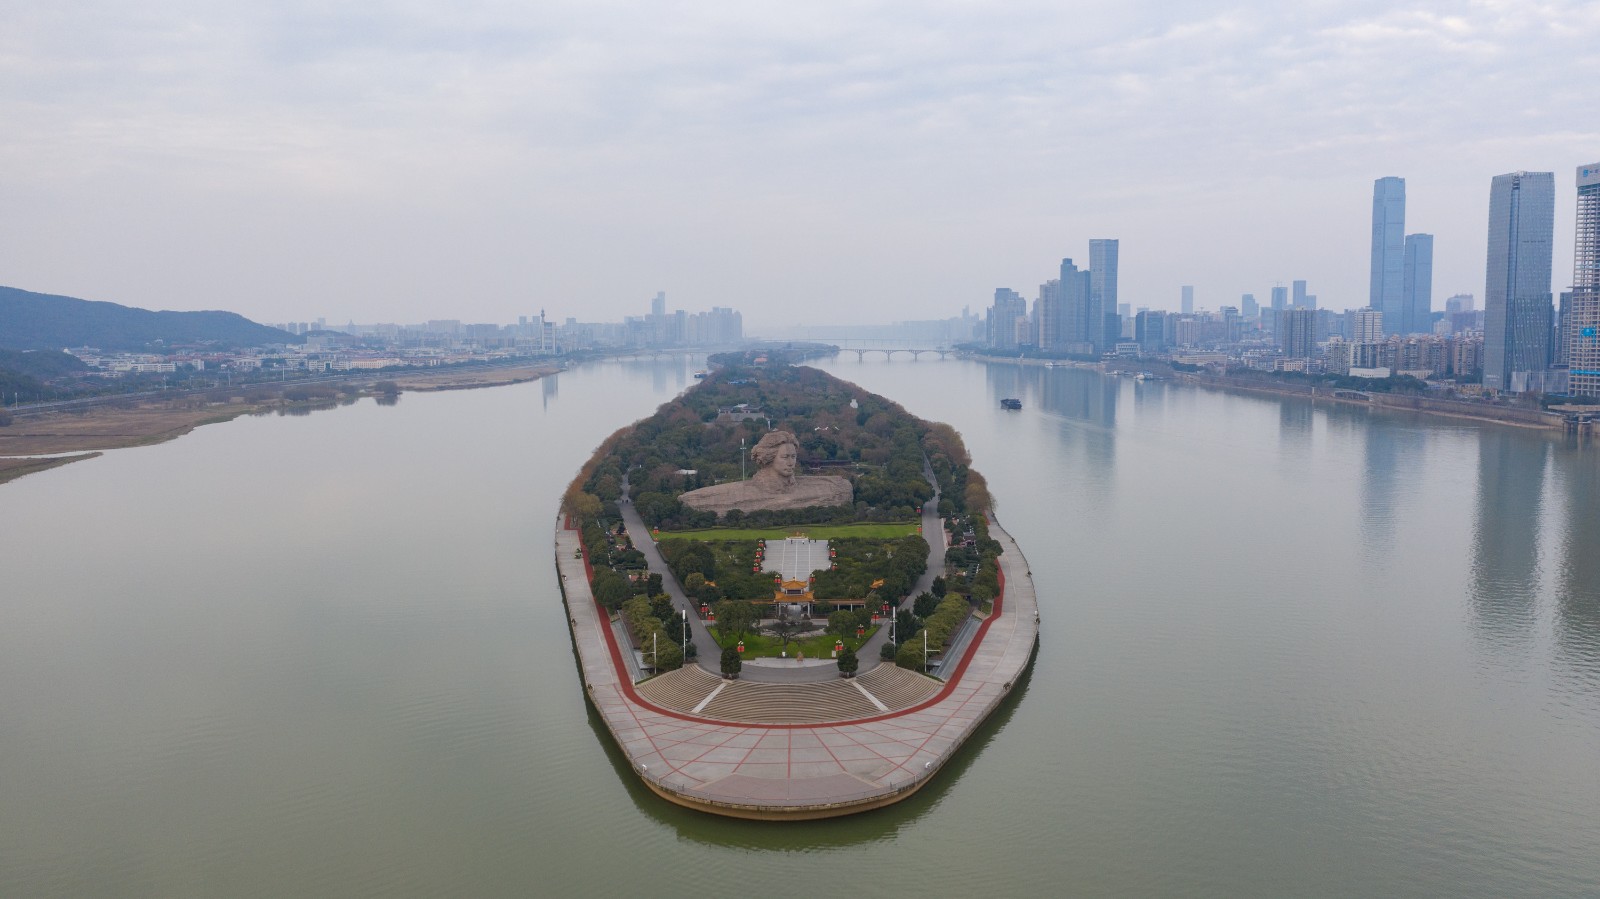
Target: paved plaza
(795, 558)
(800, 770)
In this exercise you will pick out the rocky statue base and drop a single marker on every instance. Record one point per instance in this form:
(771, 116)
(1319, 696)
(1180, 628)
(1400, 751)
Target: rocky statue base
(775, 485)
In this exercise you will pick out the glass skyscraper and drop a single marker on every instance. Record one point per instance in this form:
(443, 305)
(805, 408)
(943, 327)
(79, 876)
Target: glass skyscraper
(1518, 308)
(1582, 326)
(1416, 291)
(1387, 294)
(1102, 293)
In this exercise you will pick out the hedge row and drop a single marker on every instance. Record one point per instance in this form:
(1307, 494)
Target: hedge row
(939, 627)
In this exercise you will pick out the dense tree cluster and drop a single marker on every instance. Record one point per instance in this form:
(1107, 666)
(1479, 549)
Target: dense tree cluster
(710, 572)
(973, 559)
(619, 569)
(938, 627)
(843, 430)
(860, 562)
(651, 619)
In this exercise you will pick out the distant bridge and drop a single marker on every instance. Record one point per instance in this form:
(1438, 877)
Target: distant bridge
(888, 352)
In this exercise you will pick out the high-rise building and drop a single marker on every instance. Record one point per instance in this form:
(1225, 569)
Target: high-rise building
(1416, 291)
(1367, 326)
(1296, 331)
(1103, 294)
(1050, 316)
(1582, 321)
(1232, 324)
(1006, 316)
(1248, 307)
(1517, 301)
(1559, 350)
(1075, 290)
(1299, 295)
(1388, 251)
(1186, 300)
(1280, 302)
(1149, 329)
(1461, 302)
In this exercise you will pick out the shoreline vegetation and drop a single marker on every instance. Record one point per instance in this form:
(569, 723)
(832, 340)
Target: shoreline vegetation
(63, 436)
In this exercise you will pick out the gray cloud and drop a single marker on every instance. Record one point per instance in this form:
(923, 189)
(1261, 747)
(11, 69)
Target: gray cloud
(868, 162)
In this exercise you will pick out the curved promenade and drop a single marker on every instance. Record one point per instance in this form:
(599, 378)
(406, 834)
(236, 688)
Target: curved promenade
(792, 771)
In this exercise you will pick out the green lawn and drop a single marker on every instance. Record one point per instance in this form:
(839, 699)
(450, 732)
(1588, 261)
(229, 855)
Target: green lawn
(816, 645)
(814, 531)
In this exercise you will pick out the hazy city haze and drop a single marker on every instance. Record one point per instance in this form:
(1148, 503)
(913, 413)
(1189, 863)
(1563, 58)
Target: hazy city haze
(399, 162)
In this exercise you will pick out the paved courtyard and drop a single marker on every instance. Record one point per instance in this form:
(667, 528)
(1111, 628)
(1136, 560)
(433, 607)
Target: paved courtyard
(797, 769)
(795, 558)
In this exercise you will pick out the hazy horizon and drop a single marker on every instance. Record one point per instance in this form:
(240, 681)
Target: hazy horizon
(857, 166)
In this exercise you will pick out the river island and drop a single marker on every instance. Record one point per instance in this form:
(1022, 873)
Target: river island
(790, 598)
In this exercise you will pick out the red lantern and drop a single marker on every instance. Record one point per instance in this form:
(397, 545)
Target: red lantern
(860, 630)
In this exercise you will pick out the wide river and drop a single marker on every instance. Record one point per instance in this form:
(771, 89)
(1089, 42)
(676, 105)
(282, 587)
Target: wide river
(1287, 650)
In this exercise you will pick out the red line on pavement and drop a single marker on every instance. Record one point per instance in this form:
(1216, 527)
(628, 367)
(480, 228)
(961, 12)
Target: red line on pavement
(625, 682)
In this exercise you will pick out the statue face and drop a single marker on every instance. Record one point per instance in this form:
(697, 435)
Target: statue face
(784, 462)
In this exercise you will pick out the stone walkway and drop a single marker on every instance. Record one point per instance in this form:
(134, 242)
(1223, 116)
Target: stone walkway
(796, 558)
(801, 770)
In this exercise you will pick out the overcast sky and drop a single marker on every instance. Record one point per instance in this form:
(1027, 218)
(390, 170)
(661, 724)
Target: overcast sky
(860, 162)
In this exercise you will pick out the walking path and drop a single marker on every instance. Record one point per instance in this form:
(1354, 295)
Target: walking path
(709, 654)
(794, 770)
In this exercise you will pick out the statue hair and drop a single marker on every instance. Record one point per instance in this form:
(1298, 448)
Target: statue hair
(766, 450)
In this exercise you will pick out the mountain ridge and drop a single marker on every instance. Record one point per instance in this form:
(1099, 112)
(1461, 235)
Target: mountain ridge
(41, 321)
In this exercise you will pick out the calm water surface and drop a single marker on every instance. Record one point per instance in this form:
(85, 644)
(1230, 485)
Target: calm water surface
(1286, 650)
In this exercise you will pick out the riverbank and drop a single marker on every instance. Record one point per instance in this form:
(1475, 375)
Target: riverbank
(73, 434)
(1446, 408)
(1457, 409)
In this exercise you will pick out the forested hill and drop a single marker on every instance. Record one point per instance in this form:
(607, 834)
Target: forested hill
(41, 321)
